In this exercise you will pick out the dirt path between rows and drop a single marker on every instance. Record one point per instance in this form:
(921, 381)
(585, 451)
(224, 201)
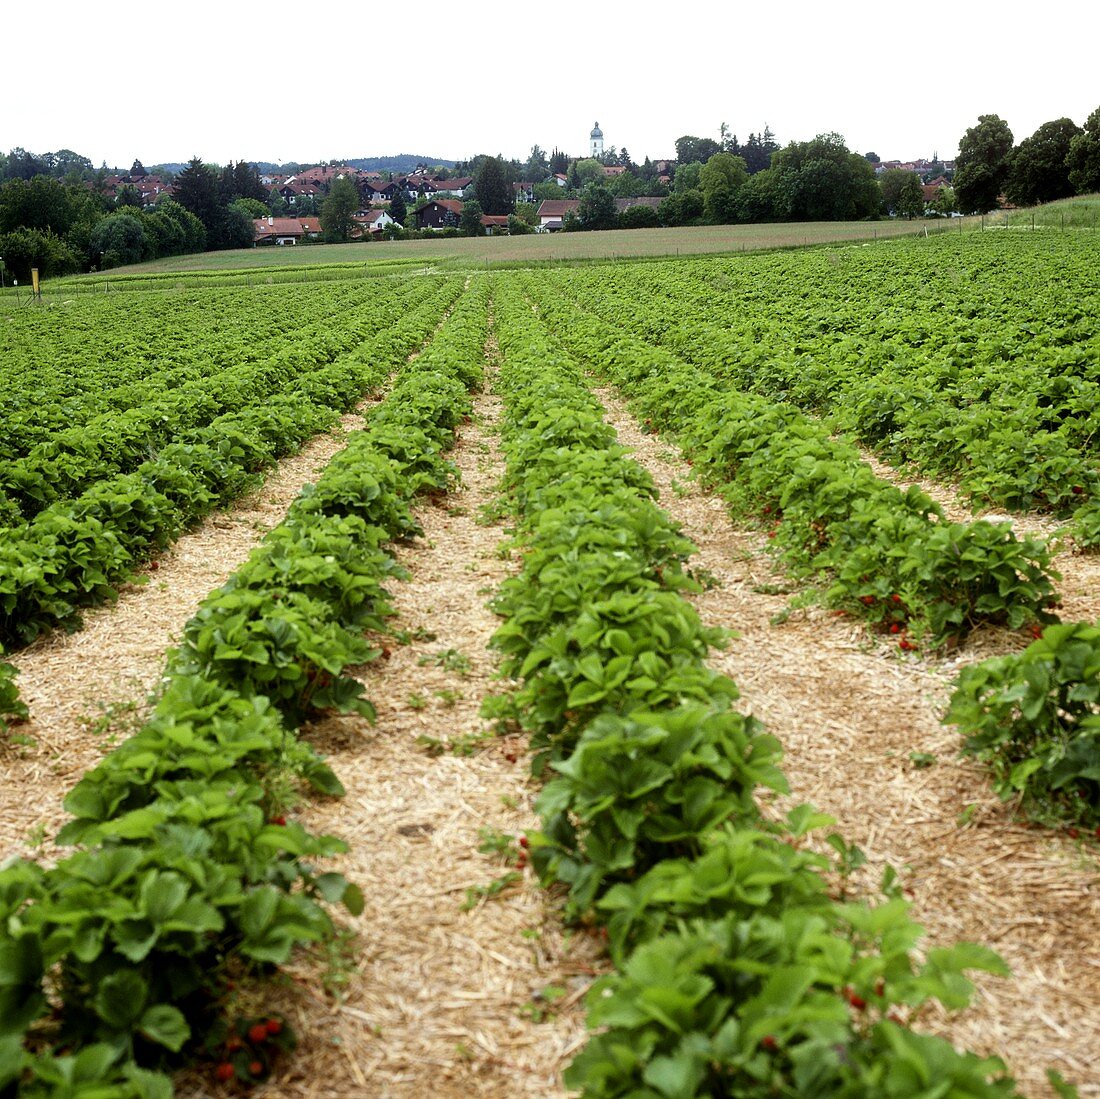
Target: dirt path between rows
(88, 690)
(434, 1000)
(849, 711)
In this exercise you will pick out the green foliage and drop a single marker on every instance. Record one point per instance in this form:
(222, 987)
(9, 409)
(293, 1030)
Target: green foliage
(1083, 158)
(1038, 168)
(337, 209)
(820, 180)
(884, 554)
(737, 973)
(12, 708)
(981, 168)
(187, 865)
(1034, 718)
(597, 208)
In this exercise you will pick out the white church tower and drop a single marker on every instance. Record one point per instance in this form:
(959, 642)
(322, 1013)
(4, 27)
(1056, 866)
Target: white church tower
(596, 143)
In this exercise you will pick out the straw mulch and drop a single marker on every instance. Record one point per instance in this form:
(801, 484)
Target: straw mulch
(89, 689)
(431, 999)
(849, 710)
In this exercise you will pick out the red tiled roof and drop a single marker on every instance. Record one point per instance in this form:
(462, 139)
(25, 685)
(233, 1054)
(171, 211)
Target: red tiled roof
(277, 227)
(557, 207)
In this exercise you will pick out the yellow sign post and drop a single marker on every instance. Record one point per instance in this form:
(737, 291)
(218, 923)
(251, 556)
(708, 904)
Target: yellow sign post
(34, 282)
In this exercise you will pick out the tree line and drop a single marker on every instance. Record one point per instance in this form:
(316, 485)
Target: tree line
(54, 216)
(1059, 160)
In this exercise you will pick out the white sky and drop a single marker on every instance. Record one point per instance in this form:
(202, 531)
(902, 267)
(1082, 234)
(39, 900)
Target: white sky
(333, 79)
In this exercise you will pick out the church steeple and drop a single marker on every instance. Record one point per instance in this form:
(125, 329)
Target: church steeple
(595, 146)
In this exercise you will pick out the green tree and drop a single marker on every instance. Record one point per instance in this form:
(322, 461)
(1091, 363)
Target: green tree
(493, 186)
(757, 199)
(720, 179)
(944, 202)
(1037, 170)
(39, 203)
(338, 208)
(128, 196)
(898, 190)
(639, 217)
(584, 172)
(559, 162)
(820, 180)
(23, 249)
(597, 208)
(537, 167)
(1083, 159)
(399, 211)
(682, 208)
(757, 152)
(196, 190)
(695, 150)
(117, 240)
(252, 207)
(686, 177)
(981, 168)
(470, 221)
(237, 230)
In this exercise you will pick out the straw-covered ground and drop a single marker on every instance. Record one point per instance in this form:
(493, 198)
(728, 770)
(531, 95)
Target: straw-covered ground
(88, 689)
(458, 980)
(849, 711)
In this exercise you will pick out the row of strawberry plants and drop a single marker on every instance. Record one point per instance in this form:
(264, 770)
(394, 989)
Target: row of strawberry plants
(737, 972)
(72, 553)
(1034, 719)
(1000, 399)
(111, 354)
(76, 458)
(889, 556)
(116, 964)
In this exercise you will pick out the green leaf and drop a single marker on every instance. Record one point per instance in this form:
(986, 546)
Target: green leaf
(165, 1025)
(120, 999)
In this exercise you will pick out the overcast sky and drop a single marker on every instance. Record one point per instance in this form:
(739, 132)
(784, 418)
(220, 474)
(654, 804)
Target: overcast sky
(310, 82)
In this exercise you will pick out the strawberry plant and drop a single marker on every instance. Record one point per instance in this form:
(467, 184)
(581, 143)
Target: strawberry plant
(739, 973)
(1034, 719)
(12, 707)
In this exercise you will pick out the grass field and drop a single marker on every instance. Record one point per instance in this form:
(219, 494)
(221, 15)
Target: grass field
(543, 247)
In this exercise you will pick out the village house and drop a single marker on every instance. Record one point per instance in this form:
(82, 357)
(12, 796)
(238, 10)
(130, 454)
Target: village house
(552, 213)
(371, 223)
(283, 231)
(440, 213)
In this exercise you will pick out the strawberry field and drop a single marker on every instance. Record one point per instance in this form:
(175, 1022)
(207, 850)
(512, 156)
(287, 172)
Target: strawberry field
(601, 681)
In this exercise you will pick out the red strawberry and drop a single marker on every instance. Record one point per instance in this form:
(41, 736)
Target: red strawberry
(280, 820)
(769, 1043)
(225, 1071)
(154, 565)
(895, 628)
(255, 1067)
(257, 1033)
(858, 1002)
(1078, 489)
(895, 597)
(233, 1043)
(274, 1026)
(524, 841)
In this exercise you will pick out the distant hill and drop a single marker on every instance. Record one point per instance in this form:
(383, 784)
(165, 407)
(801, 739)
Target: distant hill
(403, 162)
